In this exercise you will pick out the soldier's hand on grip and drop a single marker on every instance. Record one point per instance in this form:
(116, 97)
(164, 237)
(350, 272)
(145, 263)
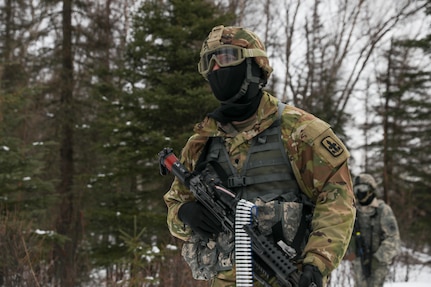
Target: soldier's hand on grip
(311, 277)
(200, 220)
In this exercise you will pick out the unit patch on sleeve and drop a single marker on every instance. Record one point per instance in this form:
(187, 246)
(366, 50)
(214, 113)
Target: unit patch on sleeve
(332, 146)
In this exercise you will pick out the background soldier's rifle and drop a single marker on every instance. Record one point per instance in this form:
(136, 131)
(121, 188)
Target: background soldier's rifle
(363, 251)
(273, 259)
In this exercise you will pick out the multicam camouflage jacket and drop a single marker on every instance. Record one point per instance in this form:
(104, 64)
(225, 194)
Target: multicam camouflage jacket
(319, 162)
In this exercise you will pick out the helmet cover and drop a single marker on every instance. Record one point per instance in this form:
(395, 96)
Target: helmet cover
(365, 178)
(237, 36)
(365, 188)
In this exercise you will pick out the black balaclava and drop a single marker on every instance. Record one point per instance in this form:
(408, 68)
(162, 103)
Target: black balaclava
(238, 88)
(365, 194)
(364, 191)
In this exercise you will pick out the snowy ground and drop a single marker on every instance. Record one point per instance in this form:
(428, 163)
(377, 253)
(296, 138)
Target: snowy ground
(414, 275)
(401, 275)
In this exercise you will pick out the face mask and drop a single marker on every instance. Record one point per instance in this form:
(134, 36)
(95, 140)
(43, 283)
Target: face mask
(364, 193)
(226, 82)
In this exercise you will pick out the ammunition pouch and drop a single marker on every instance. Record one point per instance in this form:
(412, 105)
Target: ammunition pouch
(206, 259)
(275, 219)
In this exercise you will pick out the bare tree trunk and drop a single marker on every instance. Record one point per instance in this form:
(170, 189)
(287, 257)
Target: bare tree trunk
(67, 222)
(386, 158)
(366, 165)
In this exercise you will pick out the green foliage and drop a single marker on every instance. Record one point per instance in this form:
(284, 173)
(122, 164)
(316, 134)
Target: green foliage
(23, 185)
(164, 53)
(131, 99)
(404, 150)
(160, 98)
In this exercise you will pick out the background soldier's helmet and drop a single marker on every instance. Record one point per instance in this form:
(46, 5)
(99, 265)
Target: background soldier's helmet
(365, 178)
(365, 187)
(221, 36)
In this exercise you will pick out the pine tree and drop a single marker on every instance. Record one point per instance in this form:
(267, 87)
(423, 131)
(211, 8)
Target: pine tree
(162, 96)
(25, 190)
(404, 149)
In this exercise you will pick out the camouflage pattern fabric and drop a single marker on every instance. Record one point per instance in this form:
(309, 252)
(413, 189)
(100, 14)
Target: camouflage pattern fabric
(378, 227)
(206, 259)
(269, 213)
(368, 179)
(240, 37)
(319, 161)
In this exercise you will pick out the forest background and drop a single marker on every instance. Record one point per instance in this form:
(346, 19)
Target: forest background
(91, 91)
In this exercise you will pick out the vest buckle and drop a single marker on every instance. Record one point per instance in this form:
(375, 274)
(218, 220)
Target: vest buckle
(237, 181)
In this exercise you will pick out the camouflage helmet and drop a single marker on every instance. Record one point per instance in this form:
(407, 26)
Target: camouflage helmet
(366, 178)
(365, 187)
(240, 37)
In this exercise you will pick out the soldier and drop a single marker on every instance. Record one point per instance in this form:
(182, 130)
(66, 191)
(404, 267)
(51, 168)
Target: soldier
(376, 239)
(283, 159)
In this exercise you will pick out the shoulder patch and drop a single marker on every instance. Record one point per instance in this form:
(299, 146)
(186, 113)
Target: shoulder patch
(332, 146)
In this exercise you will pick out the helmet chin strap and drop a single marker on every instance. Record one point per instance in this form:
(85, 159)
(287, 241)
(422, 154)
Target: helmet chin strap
(249, 78)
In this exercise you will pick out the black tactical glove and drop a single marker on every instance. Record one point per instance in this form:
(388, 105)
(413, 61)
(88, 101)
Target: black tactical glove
(200, 219)
(311, 277)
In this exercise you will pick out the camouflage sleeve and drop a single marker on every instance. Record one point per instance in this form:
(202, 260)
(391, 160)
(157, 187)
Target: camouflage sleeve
(333, 220)
(319, 160)
(178, 193)
(174, 198)
(391, 243)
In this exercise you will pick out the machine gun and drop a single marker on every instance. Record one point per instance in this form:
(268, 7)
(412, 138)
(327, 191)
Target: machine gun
(274, 259)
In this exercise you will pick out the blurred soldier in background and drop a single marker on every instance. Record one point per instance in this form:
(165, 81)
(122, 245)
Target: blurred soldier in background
(376, 239)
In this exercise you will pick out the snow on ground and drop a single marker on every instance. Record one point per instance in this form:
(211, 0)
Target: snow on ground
(417, 275)
(413, 275)
(401, 275)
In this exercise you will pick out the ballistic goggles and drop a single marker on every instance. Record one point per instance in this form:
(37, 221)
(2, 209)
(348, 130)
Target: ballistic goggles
(226, 56)
(362, 188)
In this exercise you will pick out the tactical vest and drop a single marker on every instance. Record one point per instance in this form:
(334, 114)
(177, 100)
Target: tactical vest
(266, 173)
(267, 179)
(369, 226)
